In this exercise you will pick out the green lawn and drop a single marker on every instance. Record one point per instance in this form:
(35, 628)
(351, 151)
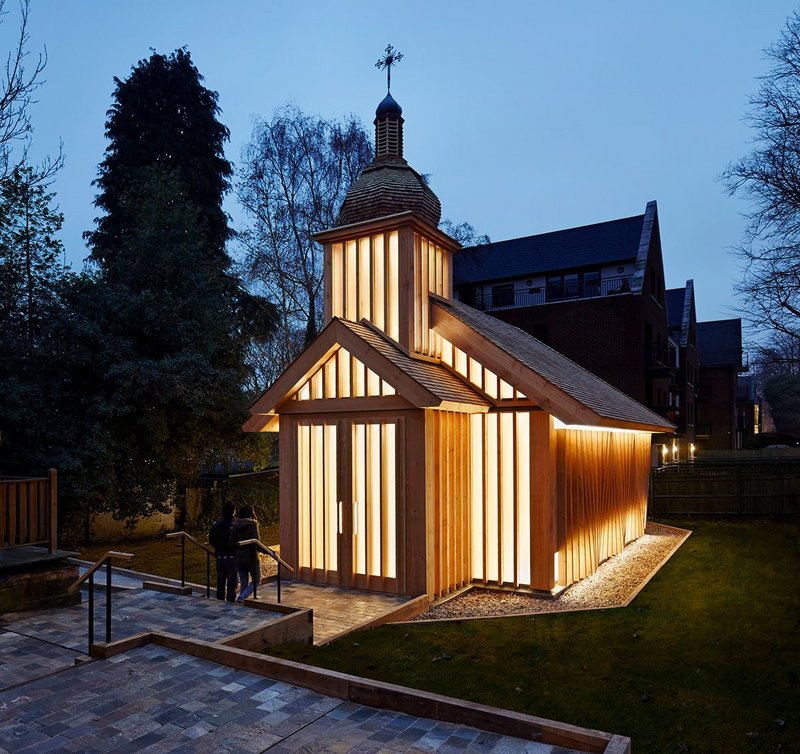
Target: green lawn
(705, 655)
(162, 557)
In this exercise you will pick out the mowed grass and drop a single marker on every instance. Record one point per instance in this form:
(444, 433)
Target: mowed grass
(162, 557)
(705, 655)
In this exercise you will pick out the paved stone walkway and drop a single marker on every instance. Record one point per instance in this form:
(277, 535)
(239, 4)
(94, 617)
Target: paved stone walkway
(23, 658)
(152, 699)
(336, 611)
(140, 610)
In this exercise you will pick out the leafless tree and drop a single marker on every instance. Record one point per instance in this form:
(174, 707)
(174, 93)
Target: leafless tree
(18, 85)
(778, 355)
(295, 174)
(770, 178)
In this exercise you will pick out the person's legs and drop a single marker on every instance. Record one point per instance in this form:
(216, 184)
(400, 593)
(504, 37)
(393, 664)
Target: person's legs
(230, 578)
(244, 578)
(221, 577)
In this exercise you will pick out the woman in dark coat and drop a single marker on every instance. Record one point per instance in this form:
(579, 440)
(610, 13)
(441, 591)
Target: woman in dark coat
(246, 527)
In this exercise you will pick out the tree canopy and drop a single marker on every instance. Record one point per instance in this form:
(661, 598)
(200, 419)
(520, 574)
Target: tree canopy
(769, 177)
(294, 176)
(162, 116)
(174, 320)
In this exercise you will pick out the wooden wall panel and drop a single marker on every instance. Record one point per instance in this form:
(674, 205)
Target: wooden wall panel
(448, 499)
(602, 496)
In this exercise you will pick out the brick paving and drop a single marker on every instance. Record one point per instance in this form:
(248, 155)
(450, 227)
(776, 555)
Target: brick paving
(140, 610)
(23, 658)
(153, 699)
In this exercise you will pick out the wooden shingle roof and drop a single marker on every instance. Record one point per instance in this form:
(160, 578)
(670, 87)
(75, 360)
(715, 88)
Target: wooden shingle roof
(387, 187)
(440, 381)
(559, 385)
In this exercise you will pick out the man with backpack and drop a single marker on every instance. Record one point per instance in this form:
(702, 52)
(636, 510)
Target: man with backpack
(225, 554)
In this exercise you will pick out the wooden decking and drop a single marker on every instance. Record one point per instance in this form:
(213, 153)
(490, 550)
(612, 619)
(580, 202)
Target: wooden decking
(340, 611)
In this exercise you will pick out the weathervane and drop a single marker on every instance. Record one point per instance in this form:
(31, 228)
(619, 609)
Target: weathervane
(387, 60)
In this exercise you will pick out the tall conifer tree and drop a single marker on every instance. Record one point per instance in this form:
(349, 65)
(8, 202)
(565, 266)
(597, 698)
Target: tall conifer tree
(166, 298)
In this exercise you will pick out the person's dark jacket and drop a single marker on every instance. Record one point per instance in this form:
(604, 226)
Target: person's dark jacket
(242, 529)
(220, 536)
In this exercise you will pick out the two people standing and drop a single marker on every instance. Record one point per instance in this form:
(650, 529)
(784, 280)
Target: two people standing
(224, 537)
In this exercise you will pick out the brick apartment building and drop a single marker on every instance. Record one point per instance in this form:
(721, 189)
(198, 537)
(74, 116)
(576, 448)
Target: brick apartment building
(597, 294)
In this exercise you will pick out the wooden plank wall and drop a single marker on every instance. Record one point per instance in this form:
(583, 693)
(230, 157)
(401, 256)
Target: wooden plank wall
(431, 270)
(343, 376)
(448, 495)
(28, 511)
(363, 281)
(602, 497)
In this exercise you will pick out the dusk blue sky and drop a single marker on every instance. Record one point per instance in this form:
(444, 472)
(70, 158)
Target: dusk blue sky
(529, 116)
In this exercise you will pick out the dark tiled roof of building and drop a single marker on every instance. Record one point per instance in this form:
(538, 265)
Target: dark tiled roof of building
(604, 399)
(434, 377)
(719, 343)
(589, 245)
(387, 187)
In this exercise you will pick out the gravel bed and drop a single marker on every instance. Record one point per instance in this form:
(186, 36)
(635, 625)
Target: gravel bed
(610, 586)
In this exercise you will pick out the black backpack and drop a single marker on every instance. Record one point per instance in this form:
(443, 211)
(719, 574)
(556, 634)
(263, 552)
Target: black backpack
(219, 536)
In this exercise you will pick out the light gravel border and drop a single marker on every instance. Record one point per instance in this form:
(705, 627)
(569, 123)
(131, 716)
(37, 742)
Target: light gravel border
(616, 583)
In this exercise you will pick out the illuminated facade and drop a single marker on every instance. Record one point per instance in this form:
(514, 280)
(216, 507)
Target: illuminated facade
(425, 445)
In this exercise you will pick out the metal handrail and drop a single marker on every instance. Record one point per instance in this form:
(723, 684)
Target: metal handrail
(257, 545)
(209, 552)
(105, 560)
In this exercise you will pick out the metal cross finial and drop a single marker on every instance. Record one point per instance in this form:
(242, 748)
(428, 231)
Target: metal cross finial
(390, 57)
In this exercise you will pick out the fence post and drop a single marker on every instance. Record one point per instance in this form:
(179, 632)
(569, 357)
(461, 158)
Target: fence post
(53, 474)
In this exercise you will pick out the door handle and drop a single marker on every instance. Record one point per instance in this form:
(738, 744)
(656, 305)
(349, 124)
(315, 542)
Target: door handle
(339, 517)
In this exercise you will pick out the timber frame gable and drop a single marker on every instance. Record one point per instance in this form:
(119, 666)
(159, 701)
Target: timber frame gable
(404, 382)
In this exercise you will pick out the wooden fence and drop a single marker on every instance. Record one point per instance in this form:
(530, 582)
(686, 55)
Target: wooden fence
(727, 488)
(28, 511)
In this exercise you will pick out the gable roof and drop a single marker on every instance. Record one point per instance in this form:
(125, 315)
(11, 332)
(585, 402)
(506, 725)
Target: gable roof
(423, 384)
(559, 385)
(679, 310)
(589, 245)
(719, 343)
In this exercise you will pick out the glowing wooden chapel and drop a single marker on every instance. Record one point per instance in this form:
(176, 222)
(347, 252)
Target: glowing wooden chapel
(424, 445)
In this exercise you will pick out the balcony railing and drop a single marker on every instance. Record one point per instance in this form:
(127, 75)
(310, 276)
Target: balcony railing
(547, 294)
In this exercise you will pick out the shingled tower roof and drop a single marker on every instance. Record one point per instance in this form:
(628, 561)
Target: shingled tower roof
(389, 185)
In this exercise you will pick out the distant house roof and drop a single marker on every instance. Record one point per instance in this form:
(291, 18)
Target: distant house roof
(589, 245)
(566, 387)
(719, 343)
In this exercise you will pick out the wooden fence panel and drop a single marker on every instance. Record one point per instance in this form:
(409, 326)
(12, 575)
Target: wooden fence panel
(729, 489)
(28, 511)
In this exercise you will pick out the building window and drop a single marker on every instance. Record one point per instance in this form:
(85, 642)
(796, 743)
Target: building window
(502, 295)
(573, 285)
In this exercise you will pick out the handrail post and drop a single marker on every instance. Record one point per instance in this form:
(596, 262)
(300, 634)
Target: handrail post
(108, 600)
(208, 575)
(279, 583)
(183, 562)
(91, 613)
(258, 571)
(53, 474)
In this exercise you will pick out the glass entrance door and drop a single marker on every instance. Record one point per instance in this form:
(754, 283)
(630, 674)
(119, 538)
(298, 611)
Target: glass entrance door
(349, 493)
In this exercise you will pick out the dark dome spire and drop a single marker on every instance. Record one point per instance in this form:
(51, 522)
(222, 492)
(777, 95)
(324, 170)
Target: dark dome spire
(389, 185)
(388, 106)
